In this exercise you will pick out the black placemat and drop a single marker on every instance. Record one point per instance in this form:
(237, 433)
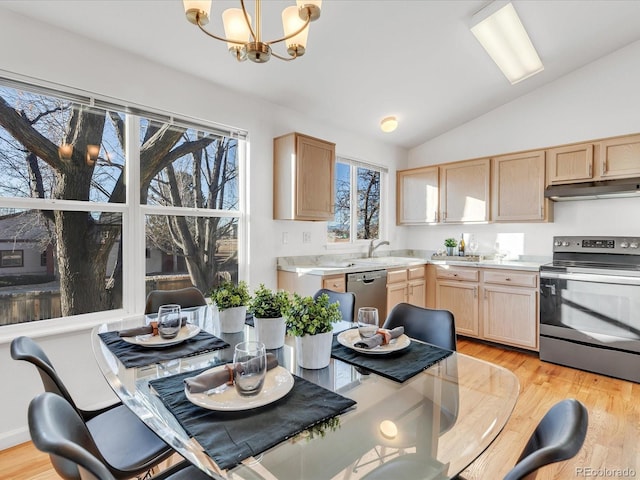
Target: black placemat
(398, 366)
(132, 355)
(230, 437)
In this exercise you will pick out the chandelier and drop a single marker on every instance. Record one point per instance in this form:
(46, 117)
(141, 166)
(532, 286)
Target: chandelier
(244, 39)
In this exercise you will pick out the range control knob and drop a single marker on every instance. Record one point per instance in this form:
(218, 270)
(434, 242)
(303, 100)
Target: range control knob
(633, 245)
(557, 243)
(565, 244)
(624, 244)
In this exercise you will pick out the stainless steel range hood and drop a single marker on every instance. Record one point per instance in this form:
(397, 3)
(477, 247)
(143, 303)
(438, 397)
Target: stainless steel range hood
(627, 187)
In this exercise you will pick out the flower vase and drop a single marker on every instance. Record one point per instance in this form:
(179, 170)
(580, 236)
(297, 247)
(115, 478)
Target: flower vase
(314, 351)
(232, 319)
(270, 331)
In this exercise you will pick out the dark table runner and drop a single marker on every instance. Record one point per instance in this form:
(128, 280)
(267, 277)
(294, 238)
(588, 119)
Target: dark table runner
(398, 366)
(132, 355)
(230, 437)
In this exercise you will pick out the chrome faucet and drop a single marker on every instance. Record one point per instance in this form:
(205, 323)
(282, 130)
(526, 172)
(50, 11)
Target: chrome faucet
(372, 248)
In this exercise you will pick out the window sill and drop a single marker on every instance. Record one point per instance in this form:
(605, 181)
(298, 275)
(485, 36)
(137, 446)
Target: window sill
(60, 326)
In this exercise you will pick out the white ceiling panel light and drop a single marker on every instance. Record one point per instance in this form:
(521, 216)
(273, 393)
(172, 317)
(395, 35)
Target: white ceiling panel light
(500, 31)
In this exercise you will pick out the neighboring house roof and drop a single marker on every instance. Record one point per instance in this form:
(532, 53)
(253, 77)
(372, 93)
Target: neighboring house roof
(27, 226)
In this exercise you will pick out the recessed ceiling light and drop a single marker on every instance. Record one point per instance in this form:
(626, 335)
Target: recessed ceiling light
(389, 124)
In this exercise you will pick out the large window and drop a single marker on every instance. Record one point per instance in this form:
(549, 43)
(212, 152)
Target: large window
(68, 189)
(358, 202)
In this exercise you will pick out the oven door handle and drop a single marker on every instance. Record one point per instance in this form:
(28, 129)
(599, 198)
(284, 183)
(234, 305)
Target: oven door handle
(587, 277)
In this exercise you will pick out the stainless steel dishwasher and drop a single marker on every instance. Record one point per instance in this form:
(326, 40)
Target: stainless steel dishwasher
(370, 289)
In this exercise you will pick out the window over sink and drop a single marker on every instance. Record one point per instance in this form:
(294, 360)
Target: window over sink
(359, 199)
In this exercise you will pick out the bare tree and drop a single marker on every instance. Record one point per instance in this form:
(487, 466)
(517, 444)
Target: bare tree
(84, 240)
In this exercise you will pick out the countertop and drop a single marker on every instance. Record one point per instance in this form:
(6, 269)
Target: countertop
(354, 265)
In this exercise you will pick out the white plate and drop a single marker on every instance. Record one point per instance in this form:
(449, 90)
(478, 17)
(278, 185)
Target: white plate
(185, 333)
(277, 383)
(351, 336)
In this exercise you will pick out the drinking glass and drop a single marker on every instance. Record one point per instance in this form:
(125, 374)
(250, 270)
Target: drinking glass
(249, 368)
(473, 244)
(367, 321)
(169, 321)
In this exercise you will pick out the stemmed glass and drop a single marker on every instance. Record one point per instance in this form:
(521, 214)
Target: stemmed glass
(473, 244)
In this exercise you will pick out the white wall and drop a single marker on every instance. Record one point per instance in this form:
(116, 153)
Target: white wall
(50, 54)
(599, 100)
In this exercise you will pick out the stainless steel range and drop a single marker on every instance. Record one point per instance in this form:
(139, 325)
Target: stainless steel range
(590, 305)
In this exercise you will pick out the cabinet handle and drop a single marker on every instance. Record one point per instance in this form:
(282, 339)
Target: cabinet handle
(508, 279)
(436, 216)
(590, 170)
(444, 216)
(455, 274)
(485, 294)
(604, 166)
(475, 292)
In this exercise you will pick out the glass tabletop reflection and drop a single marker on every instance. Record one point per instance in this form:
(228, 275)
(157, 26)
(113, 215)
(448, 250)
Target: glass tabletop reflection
(432, 425)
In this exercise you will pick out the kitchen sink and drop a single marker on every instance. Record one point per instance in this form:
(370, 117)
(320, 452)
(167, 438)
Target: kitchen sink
(388, 261)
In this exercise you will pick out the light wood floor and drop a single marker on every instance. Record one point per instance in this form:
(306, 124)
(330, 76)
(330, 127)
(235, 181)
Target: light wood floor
(612, 443)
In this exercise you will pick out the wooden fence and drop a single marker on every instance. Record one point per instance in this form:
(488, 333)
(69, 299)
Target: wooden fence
(21, 307)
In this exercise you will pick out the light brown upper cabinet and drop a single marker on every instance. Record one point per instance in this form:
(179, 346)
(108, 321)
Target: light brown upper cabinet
(517, 187)
(418, 196)
(303, 178)
(464, 191)
(620, 157)
(571, 163)
(610, 158)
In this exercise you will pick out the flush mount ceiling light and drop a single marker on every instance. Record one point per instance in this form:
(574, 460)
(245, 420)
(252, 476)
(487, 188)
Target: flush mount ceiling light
(388, 124)
(244, 39)
(500, 31)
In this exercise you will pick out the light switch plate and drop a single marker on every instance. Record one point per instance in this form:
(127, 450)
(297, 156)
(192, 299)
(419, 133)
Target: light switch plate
(306, 237)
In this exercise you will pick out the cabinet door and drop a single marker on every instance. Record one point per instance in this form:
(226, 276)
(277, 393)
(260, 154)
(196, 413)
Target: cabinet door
(518, 187)
(465, 191)
(417, 293)
(461, 299)
(396, 293)
(572, 163)
(620, 157)
(314, 178)
(337, 283)
(510, 316)
(417, 196)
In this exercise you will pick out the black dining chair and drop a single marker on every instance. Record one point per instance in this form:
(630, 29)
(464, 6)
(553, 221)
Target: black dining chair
(122, 438)
(436, 327)
(57, 429)
(347, 301)
(559, 436)
(185, 297)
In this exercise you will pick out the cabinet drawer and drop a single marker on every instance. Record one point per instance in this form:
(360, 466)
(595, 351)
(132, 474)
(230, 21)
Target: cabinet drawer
(511, 277)
(453, 273)
(395, 276)
(416, 272)
(337, 283)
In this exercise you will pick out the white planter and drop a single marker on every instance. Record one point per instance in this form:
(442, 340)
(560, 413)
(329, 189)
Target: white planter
(314, 351)
(270, 331)
(232, 319)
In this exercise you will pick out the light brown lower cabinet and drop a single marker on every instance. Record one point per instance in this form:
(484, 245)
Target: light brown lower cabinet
(308, 285)
(492, 304)
(406, 285)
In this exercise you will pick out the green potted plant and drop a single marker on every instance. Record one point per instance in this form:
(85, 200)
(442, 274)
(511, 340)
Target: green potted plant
(450, 244)
(232, 301)
(311, 322)
(268, 309)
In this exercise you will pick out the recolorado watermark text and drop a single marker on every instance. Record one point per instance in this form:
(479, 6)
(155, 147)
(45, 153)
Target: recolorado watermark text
(605, 472)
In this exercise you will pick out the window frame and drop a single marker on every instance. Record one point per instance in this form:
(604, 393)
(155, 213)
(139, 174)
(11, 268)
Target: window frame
(354, 164)
(133, 213)
(12, 251)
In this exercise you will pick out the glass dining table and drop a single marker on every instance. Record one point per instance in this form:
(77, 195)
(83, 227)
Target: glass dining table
(430, 426)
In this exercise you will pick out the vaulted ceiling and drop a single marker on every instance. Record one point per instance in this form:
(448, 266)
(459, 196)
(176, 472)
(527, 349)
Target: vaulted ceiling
(366, 59)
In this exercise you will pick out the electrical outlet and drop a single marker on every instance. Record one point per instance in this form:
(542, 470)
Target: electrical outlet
(306, 237)
(285, 238)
